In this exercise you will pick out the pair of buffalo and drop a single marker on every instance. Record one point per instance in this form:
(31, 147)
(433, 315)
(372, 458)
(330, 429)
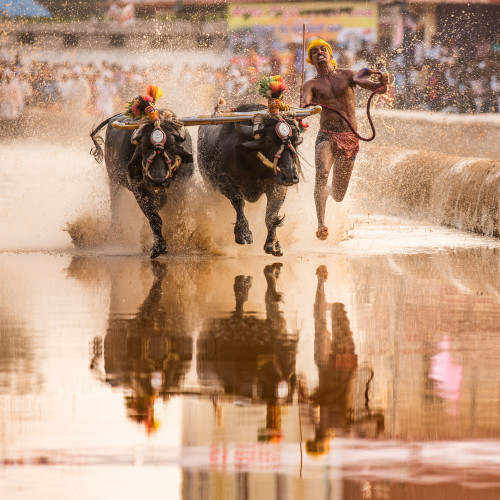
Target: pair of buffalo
(241, 160)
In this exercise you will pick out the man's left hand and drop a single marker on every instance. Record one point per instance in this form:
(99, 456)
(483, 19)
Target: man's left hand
(384, 78)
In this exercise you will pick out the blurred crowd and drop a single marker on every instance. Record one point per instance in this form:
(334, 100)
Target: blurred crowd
(454, 77)
(445, 77)
(85, 89)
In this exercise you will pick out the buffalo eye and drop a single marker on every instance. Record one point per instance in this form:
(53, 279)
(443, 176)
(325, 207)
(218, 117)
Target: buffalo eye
(170, 141)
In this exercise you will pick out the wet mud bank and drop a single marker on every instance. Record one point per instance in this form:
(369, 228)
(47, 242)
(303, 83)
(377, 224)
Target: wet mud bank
(439, 188)
(441, 168)
(454, 134)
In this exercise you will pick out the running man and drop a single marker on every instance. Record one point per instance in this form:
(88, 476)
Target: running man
(335, 144)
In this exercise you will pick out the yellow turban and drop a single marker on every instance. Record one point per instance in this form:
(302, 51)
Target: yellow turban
(315, 43)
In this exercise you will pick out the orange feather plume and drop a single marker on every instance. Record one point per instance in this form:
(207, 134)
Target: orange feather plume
(154, 91)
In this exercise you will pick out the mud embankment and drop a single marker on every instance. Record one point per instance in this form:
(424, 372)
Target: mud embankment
(440, 168)
(459, 135)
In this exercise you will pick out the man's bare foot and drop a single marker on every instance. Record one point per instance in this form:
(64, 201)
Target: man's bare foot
(322, 233)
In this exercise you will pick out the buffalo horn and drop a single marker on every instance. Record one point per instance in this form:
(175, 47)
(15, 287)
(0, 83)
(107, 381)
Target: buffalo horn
(245, 131)
(250, 145)
(125, 126)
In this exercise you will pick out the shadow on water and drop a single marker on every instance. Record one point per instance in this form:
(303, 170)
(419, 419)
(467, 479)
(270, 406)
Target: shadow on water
(247, 355)
(147, 355)
(336, 404)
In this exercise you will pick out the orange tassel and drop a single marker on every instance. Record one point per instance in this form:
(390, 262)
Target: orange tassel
(154, 91)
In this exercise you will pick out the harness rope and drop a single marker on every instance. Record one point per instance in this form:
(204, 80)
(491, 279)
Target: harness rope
(285, 142)
(168, 161)
(159, 149)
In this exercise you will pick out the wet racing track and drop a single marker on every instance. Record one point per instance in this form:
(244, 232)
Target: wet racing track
(364, 367)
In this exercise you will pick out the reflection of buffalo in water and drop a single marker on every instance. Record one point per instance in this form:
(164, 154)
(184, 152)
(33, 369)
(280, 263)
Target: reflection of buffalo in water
(150, 352)
(252, 358)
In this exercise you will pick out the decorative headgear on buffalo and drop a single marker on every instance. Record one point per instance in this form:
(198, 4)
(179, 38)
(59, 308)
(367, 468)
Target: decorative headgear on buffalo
(271, 88)
(144, 105)
(317, 43)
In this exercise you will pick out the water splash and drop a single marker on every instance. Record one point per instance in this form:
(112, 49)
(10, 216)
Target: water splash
(440, 188)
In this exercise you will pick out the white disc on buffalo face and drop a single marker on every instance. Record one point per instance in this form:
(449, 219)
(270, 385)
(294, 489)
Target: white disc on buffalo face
(283, 129)
(157, 136)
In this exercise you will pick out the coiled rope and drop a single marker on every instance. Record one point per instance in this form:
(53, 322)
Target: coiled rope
(373, 94)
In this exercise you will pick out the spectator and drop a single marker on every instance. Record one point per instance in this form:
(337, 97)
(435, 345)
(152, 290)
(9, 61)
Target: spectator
(105, 94)
(11, 98)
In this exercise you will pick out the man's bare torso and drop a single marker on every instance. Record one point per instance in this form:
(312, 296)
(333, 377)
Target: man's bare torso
(336, 90)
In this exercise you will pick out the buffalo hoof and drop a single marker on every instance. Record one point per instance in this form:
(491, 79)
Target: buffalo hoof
(273, 270)
(273, 248)
(242, 237)
(158, 249)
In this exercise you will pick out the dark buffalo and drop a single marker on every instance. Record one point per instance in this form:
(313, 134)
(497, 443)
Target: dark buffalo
(145, 161)
(237, 160)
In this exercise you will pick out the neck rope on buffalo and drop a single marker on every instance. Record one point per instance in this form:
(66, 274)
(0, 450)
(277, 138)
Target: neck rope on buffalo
(158, 139)
(372, 95)
(283, 131)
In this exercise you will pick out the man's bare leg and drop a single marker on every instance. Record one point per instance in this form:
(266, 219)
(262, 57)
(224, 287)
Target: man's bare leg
(341, 176)
(323, 160)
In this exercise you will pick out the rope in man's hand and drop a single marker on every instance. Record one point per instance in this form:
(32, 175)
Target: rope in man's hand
(382, 88)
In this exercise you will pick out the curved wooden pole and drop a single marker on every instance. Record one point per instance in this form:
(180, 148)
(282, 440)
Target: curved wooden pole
(303, 57)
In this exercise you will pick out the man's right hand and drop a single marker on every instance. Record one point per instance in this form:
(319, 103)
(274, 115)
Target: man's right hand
(384, 78)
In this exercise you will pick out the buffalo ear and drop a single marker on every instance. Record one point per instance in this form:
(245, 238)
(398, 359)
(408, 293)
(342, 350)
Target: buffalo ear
(299, 141)
(249, 145)
(178, 135)
(185, 155)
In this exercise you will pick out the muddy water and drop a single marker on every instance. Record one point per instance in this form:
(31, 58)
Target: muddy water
(337, 373)
(363, 367)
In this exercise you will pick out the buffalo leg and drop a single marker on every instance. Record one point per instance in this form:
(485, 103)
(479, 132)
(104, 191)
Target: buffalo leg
(242, 233)
(148, 206)
(275, 199)
(273, 297)
(241, 287)
(114, 199)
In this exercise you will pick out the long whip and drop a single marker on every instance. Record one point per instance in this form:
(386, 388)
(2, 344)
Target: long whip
(373, 94)
(303, 56)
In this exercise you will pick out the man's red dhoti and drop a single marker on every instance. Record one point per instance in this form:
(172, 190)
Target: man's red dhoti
(344, 142)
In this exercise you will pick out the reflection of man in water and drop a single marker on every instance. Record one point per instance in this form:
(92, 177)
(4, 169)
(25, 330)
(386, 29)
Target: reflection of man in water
(337, 362)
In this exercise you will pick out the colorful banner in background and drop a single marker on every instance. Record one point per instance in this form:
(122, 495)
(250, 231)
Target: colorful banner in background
(334, 22)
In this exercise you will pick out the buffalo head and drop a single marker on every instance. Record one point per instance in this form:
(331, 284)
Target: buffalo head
(275, 139)
(158, 145)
